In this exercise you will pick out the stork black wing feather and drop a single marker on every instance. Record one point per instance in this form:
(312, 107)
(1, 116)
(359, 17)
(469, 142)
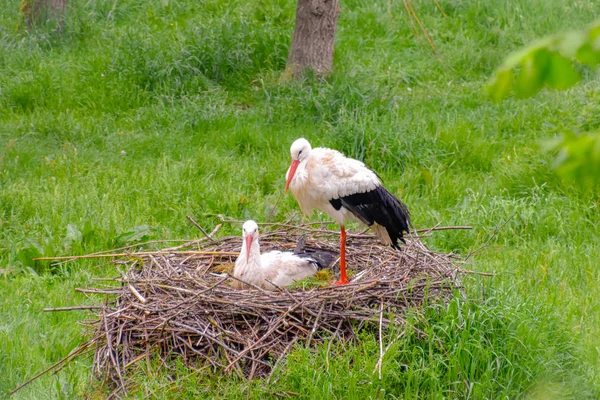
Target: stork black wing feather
(320, 257)
(381, 207)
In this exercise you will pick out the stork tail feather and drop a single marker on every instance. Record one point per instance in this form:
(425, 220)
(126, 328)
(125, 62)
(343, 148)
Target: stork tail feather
(379, 209)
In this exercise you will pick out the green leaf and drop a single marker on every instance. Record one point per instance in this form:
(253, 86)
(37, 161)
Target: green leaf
(552, 144)
(500, 86)
(594, 34)
(530, 77)
(569, 42)
(560, 73)
(587, 55)
(27, 254)
(87, 231)
(73, 234)
(578, 158)
(139, 233)
(516, 58)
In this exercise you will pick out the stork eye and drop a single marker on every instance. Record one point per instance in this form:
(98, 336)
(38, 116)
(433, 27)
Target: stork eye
(300, 152)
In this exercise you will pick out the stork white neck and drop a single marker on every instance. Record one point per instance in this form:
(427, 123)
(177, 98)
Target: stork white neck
(300, 152)
(248, 263)
(252, 253)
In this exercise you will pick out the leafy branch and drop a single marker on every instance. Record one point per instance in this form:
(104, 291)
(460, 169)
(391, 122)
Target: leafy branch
(548, 62)
(552, 62)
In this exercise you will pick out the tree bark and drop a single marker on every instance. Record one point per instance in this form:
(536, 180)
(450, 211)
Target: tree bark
(314, 37)
(41, 11)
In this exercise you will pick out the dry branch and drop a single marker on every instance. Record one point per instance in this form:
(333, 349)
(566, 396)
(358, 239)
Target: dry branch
(140, 253)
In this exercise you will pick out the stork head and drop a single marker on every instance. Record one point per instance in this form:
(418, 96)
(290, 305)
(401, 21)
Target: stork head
(299, 151)
(250, 234)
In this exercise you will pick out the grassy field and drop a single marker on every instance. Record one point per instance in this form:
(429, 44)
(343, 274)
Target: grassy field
(143, 112)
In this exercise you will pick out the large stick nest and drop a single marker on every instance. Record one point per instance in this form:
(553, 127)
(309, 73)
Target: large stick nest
(171, 303)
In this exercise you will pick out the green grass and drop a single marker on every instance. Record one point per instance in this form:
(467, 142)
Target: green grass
(143, 112)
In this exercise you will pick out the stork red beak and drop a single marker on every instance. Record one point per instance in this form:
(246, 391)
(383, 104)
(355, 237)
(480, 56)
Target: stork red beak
(291, 173)
(248, 245)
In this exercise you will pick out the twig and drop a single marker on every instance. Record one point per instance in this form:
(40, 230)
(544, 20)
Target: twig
(7, 270)
(440, 8)
(283, 354)
(130, 363)
(468, 271)
(51, 367)
(491, 236)
(314, 328)
(197, 225)
(136, 293)
(72, 308)
(274, 207)
(443, 228)
(412, 10)
(380, 361)
(277, 224)
(214, 231)
(136, 245)
(142, 253)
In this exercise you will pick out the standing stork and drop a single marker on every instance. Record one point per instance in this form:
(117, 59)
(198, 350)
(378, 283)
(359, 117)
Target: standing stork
(345, 189)
(275, 268)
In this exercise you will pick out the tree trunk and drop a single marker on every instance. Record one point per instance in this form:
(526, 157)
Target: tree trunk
(314, 37)
(38, 12)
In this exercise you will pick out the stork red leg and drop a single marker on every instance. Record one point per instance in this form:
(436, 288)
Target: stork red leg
(343, 279)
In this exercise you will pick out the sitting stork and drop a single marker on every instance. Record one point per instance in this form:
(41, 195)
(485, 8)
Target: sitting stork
(345, 189)
(275, 268)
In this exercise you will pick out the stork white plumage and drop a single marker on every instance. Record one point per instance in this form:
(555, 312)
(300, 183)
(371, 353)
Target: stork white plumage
(279, 268)
(345, 189)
